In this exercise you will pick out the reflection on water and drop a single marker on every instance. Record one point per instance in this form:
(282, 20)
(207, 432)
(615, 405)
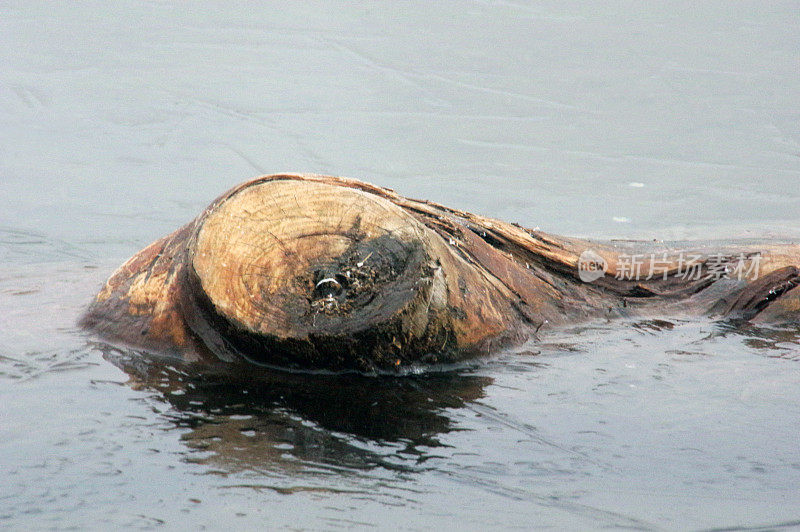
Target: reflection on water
(264, 419)
(772, 341)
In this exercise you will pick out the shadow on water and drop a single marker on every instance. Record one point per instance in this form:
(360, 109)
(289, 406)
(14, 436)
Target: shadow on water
(257, 419)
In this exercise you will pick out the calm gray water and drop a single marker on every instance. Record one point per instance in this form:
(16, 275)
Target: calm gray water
(119, 122)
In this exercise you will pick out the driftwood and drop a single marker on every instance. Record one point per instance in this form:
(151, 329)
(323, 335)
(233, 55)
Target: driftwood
(319, 272)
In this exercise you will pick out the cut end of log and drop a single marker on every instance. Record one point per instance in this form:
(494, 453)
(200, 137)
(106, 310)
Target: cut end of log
(295, 270)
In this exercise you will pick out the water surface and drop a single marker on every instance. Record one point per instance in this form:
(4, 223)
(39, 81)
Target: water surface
(120, 123)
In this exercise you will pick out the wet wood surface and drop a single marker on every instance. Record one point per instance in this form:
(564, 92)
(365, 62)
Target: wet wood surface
(319, 272)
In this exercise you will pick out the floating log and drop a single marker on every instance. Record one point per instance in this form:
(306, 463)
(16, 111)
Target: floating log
(319, 272)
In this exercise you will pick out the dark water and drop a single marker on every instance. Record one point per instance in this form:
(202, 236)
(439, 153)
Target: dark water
(118, 124)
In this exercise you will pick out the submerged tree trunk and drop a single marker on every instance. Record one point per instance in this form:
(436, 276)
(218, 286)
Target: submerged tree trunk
(319, 272)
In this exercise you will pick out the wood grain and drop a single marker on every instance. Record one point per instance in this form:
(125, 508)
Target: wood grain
(320, 272)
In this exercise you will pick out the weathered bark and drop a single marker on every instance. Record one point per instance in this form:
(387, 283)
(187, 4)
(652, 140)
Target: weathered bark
(321, 272)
